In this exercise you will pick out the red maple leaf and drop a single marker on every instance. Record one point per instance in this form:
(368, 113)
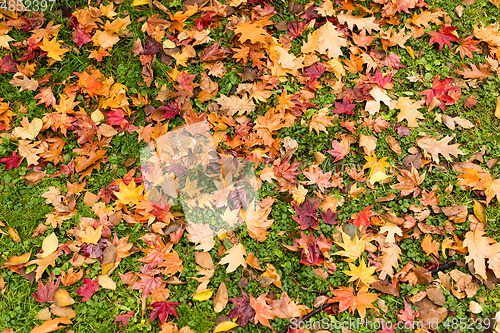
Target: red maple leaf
(443, 90)
(8, 64)
(345, 107)
(444, 36)
(11, 161)
(287, 170)
(45, 292)
(242, 310)
(116, 117)
(124, 318)
(295, 29)
(383, 82)
(205, 20)
(363, 217)
(162, 310)
(170, 109)
(88, 289)
(408, 314)
(214, 52)
(80, 37)
(311, 248)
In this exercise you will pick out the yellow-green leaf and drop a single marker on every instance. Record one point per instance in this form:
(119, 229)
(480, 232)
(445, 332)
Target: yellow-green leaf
(225, 326)
(203, 295)
(480, 212)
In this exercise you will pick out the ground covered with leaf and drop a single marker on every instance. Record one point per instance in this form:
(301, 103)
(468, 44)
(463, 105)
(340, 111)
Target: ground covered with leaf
(368, 132)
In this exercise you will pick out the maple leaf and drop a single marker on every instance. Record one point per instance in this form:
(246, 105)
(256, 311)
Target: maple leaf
(340, 149)
(46, 96)
(353, 248)
(409, 111)
(363, 217)
(124, 318)
(45, 293)
(444, 36)
(88, 289)
(242, 310)
(409, 182)
(307, 215)
(263, 312)
(362, 274)
(429, 246)
(80, 37)
(317, 177)
(345, 107)
(433, 147)
(482, 249)
(347, 299)
(408, 315)
(11, 161)
(326, 40)
(467, 46)
(329, 217)
(129, 194)
(320, 121)
(53, 48)
(162, 310)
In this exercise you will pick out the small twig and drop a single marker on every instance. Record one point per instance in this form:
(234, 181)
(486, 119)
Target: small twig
(443, 267)
(313, 290)
(309, 315)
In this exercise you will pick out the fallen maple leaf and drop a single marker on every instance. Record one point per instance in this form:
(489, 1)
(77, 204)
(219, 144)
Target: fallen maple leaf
(263, 312)
(348, 300)
(409, 182)
(53, 48)
(444, 36)
(162, 310)
(242, 310)
(88, 289)
(124, 318)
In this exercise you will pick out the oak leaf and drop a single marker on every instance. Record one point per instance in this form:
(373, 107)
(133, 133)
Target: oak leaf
(235, 257)
(389, 259)
(477, 72)
(433, 147)
(482, 249)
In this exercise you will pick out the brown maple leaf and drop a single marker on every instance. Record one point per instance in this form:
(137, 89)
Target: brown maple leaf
(409, 182)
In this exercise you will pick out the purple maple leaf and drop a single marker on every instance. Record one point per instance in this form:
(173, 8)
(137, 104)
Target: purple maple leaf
(329, 217)
(242, 310)
(307, 215)
(162, 310)
(170, 109)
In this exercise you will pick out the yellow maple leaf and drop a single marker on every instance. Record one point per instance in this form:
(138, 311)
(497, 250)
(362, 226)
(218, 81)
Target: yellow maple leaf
(90, 235)
(362, 273)
(131, 194)
(376, 165)
(353, 248)
(53, 48)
